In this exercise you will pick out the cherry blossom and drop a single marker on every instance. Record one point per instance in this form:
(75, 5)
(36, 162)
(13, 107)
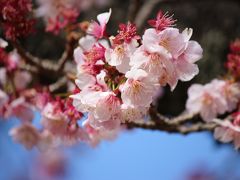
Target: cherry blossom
(228, 131)
(98, 29)
(22, 79)
(58, 13)
(3, 43)
(16, 20)
(120, 55)
(212, 99)
(113, 81)
(21, 109)
(25, 134)
(162, 21)
(137, 86)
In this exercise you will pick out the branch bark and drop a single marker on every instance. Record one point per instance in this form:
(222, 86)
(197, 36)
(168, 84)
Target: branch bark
(182, 129)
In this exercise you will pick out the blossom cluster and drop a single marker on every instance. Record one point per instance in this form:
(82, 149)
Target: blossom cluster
(15, 18)
(60, 13)
(219, 97)
(117, 79)
(233, 59)
(59, 121)
(212, 99)
(119, 76)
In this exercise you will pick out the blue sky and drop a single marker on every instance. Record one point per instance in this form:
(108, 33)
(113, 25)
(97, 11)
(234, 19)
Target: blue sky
(137, 154)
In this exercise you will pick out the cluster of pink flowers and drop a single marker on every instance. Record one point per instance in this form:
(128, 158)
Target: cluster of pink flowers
(218, 97)
(229, 131)
(118, 80)
(233, 59)
(59, 124)
(60, 13)
(14, 16)
(12, 81)
(212, 99)
(59, 118)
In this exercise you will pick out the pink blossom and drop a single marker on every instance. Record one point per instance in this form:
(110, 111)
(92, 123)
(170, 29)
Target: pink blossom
(3, 43)
(126, 34)
(169, 41)
(137, 86)
(133, 114)
(85, 80)
(157, 64)
(228, 131)
(99, 29)
(176, 49)
(96, 135)
(25, 134)
(58, 13)
(110, 124)
(107, 106)
(13, 60)
(73, 135)
(87, 99)
(231, 92)
(100, 80)
(79, 57)
(185, 67)
(162, 21)
(47, 141)
(207, 100)
(90, 61)
(20, 109)
(22, 79)
(120, 55)
(53, 119)
(62, 124)
(87, 42)
(41, 99)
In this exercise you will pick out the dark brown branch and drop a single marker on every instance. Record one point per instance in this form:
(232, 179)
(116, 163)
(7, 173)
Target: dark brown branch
(72, 40)
(46, 65)
(182, 118)
(29, 59)
(30, 68)
(183, 129)
(184, 123)
(57, 85)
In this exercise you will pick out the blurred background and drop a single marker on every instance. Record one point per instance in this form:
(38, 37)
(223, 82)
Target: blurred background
(140, 154)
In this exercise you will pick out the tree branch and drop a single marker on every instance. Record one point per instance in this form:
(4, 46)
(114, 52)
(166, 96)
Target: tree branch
(183, 129)
(57, 85)
(47, 65)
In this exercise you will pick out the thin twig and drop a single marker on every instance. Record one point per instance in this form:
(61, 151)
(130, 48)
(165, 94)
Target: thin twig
(57, 85)
(180, 119)
(72, 40)
(29, 59)
(183, 129)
